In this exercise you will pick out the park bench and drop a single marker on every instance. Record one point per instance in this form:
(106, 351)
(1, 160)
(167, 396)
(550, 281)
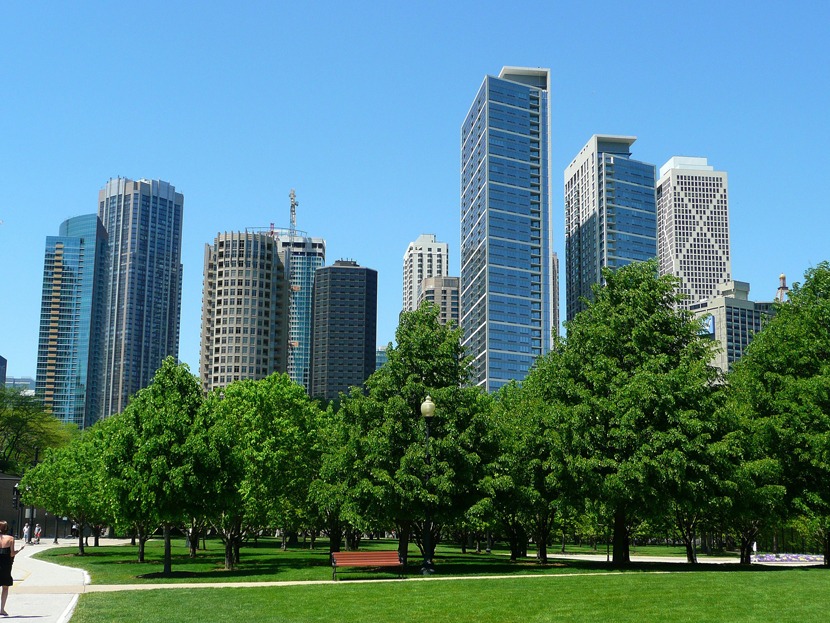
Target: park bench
(365, 560)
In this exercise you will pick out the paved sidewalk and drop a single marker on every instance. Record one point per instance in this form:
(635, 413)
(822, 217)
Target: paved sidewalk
(43, 590)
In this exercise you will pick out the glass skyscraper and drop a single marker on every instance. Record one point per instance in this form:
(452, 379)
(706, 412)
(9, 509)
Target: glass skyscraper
(72, 320)
(610, 214)
(143, 285)
(303, 256)
(506, 252)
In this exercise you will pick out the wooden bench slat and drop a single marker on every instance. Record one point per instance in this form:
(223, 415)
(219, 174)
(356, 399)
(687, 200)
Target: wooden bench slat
(364, 559)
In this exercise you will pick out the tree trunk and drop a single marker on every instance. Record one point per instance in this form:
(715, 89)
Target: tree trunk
(542, 551)
(312, 537)
(691, 555)
(237, 544)
(746, 551)
(95, 542)
(404, 531)
(141, 543)
(826, 549)
(563, 542)
(335, 535)
(229, 558)
(132, 538)
(168, 558)
(621, 554)
(81, 551)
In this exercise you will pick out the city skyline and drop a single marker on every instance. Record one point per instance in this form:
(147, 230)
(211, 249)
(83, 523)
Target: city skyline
(362, 190)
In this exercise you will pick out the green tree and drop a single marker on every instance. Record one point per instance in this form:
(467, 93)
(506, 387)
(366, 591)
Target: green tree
(395, 484)
(25, 425)
(526, 481)
(150, 455)
(70, 481)
(259, 436)
(632, 389)
(783, 382)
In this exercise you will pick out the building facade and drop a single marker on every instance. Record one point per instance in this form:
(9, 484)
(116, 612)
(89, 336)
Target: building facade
(3, 364)
(693, 227)
(303, 256)
(380, 357)
(244, 309)
(610, 214)
(344, 334)
(732, 320)
(143, 220)
(424, 258)
(72, 313)
(443, 292)
(23, 383)
(506, 281)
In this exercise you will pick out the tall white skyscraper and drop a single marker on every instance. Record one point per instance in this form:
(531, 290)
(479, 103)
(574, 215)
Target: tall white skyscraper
(423, 259)
(693, 227)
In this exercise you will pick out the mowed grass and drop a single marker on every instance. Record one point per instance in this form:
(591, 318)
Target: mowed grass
(269, 563)
(781, 595)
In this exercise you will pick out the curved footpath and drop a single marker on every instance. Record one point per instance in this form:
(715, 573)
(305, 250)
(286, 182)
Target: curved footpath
(49, 592)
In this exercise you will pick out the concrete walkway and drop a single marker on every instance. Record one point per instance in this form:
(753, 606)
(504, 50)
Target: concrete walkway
(42, 590)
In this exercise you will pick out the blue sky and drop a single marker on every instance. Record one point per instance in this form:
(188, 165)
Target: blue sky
(358, 106)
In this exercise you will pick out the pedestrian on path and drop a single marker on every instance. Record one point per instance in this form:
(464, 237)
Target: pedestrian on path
(26, 533)
(37, 534)
(7, 554)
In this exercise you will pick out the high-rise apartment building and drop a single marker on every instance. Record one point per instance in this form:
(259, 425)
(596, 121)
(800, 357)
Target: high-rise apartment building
(244, 309)
(344, 333)
(733, 320)
(72, 314)
(693, 227)
(443, 292)
(303, 256)
(143, 220)
(423, 259)
(381, 357)
(610, 214)
(507, 314)
(555, 292)
(3, 364)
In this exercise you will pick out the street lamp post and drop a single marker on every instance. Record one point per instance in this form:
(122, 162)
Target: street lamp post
(427, 567)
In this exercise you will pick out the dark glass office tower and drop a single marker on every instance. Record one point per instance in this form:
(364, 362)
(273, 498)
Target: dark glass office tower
(72, 321)
(144, 284)
(610, 214)
(506, 252)
(344, 329)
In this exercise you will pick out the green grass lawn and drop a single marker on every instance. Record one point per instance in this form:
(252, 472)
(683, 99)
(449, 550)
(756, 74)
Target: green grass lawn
(267, 562)
(781, 595)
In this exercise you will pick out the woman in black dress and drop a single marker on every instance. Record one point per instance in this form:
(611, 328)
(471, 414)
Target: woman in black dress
(7, 554)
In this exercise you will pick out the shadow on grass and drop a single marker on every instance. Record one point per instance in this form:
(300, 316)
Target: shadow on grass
(270, 563)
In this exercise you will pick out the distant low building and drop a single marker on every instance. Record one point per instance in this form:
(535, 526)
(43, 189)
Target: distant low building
(733, 321)
(26, 383)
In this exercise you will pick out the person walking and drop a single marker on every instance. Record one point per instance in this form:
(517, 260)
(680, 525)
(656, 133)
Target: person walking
(7, 554)
(26, 533)
(37, 534)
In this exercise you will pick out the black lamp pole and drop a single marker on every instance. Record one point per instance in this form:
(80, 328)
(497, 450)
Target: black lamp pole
(427, 567)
